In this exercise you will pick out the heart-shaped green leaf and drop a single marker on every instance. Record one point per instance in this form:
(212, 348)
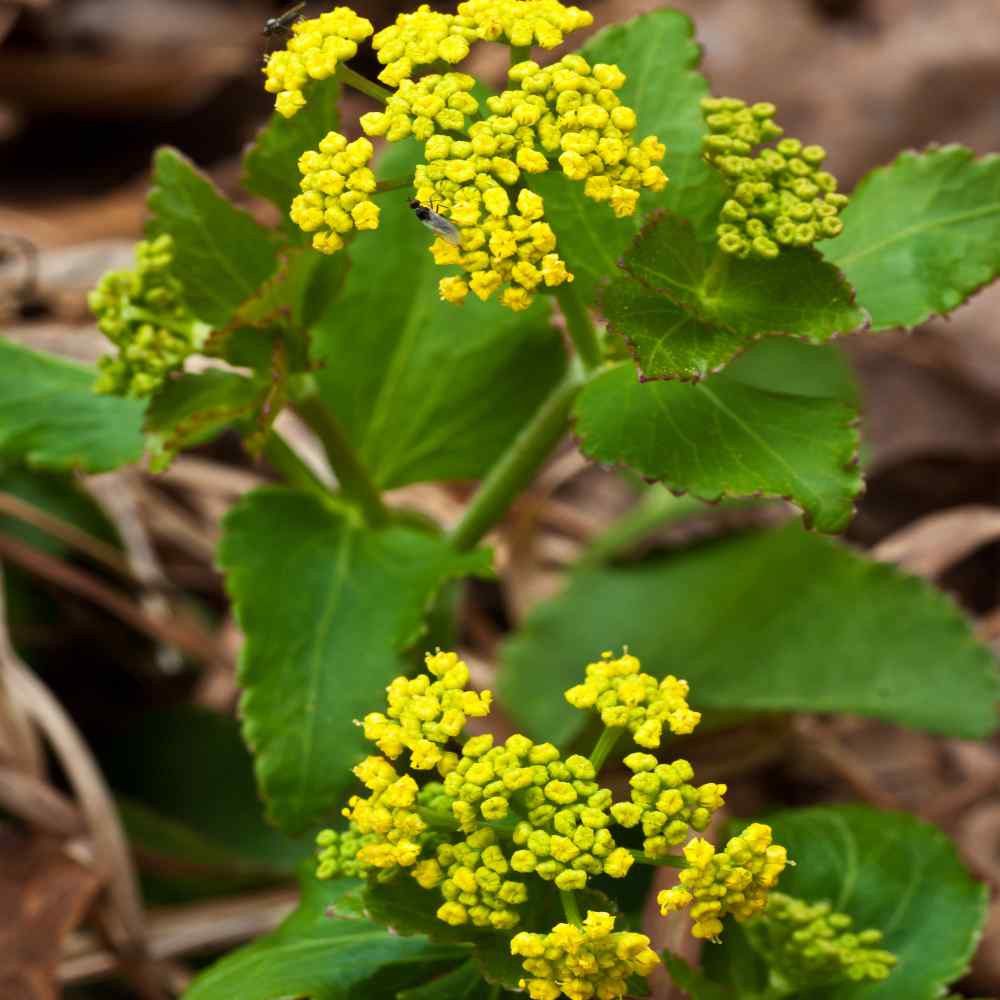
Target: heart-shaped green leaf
(921, 235)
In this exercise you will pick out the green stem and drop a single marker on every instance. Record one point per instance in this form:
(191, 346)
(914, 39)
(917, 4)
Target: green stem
(715, 276)
(670, 861)
(355, 483)
(580, 326)
(290, 467)
(361, 83)
(519, 54)
(605, 745)
(570, 906)
(518, 465)
(656, 507)
(394, 185)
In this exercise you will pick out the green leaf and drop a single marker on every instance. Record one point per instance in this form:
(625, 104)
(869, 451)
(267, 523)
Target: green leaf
(426, 389)
(51, 419)
(659, 54)
(727, 438)
(270, 167)
(327, 607)
(313, 955)
(921, 235)
(886, 870)
(782, 620)
(194, 408)
(464, 983)
(695, 321)
(221, 255)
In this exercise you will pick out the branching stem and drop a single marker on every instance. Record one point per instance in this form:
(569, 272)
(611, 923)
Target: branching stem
(518, 465)
(670, 861)
(362, 84)
(353, 477)
(580, 326)
(570, 906)
(605, 744)
(289, 465)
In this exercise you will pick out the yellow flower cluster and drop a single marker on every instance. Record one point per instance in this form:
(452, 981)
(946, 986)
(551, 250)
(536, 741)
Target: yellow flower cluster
(780, 197)
(336, 182)
(338, 854)
(142, 312)
(316, 47)
(665, 802)
(423, 715)
(625, 697)
(420, 108)
(523, 22)
(471, 878)
(516, 250)
(389, 815)
(811, 945)
(734, 881)
(570, 110)
(591, 961)
(423, 37)
(565, 838)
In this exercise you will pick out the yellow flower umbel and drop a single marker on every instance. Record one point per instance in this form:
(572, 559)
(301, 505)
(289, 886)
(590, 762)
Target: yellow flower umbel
(432, 103)
(336, 182)
(421, 38)
(316, 47)
(421, 716)
(142, 312)
(583, 962)
(810, 945)
(569, 111)
(625, 697)
(388, 815)
(665, 802)
(523, 22)
(734, 881)
(780, 197)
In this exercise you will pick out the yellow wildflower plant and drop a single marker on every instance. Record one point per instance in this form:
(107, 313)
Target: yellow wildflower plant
(317, 46)
(780, 197)
(514, 827)
(636, 701)
(434, 103)
(336, 184)
(734, 881)
(420, 38)
(523, 22)
(580, 962)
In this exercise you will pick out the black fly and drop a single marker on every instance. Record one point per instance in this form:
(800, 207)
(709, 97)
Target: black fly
(444, 228)
(283, 22)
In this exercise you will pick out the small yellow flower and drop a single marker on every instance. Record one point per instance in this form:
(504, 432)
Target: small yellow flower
(582, 962)
(335, 183)
(316, 47)
(419, 38)
(523, 22)
(734, 881)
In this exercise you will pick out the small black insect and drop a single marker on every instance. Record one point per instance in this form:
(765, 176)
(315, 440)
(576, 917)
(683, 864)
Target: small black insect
(283, 22)
(444, 228)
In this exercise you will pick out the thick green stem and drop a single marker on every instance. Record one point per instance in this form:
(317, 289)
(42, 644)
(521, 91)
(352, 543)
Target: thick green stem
(518, 465)
(605, 745)
(670, 861)
(580, 326)
(290, 467)
(355, 483)
(656, 507)
(361, 83)
(570, 906)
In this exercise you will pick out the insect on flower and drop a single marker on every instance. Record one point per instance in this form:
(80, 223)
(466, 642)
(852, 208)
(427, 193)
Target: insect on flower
(444, 228)
(283, 22)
